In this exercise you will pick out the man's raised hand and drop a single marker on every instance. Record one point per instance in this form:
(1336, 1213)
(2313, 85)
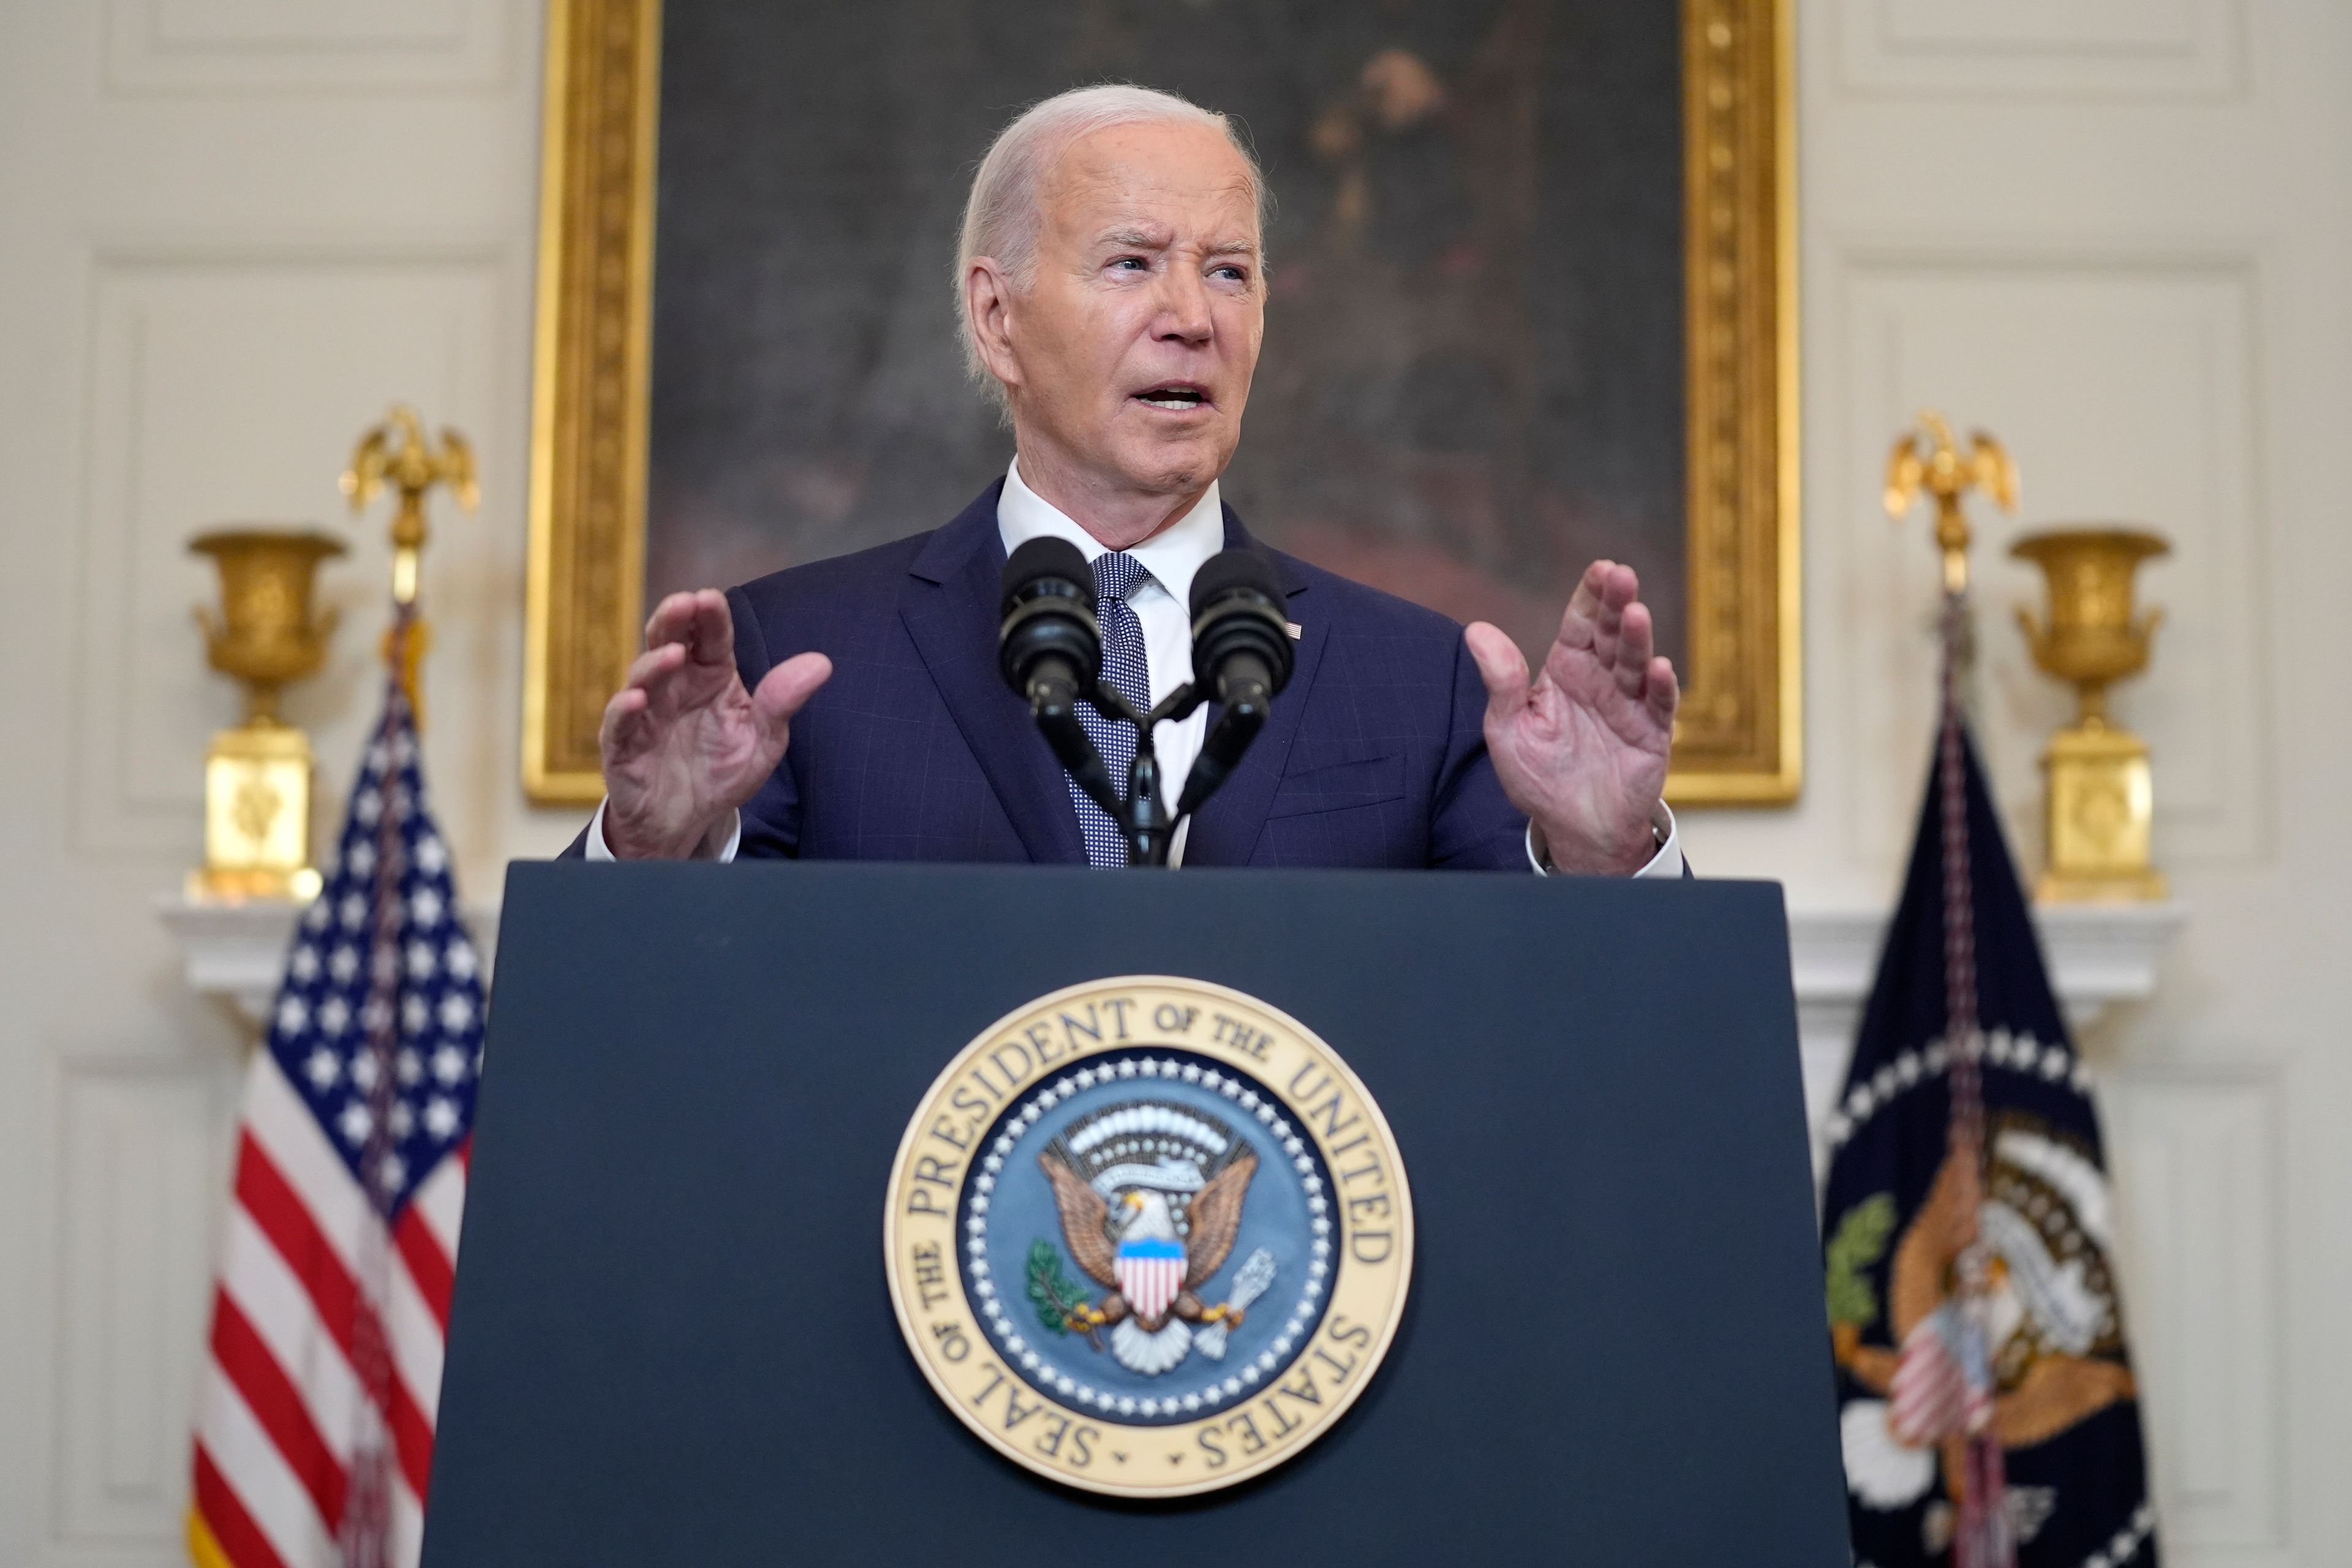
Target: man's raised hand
(1582, 748)
(683, 744)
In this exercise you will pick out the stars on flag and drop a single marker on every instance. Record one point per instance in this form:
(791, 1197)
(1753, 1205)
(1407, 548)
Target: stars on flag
(350, 981)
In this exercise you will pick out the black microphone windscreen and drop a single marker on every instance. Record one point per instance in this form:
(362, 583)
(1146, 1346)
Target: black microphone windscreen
(1049, 558)
(1230, 569)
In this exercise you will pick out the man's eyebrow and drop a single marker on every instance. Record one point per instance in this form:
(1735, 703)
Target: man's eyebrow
(1158, 238)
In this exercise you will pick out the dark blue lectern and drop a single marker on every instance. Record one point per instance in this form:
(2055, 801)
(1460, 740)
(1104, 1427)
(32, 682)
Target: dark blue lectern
(672, 1341)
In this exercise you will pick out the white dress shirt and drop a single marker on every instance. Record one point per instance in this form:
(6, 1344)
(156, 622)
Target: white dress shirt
(1162, 606)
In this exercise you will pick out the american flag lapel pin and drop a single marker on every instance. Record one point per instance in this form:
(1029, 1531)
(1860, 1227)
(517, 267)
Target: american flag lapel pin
(1295, 629)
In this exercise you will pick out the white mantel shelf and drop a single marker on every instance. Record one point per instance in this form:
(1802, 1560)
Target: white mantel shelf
(237, 952)
(2098, 955)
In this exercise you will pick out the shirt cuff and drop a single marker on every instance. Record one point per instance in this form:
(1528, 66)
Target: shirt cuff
(597, 850)
(1666, 862)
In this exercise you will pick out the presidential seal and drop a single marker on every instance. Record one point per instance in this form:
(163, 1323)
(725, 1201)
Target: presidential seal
(1148, 1237)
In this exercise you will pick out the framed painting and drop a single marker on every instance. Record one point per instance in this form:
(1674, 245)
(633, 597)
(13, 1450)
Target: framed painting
(1531, 302)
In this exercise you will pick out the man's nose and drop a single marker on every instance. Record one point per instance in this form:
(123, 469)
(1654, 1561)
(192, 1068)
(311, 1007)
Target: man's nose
(1183, 308)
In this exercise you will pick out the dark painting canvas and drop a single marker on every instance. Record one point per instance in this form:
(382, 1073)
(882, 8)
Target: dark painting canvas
(1472, 377)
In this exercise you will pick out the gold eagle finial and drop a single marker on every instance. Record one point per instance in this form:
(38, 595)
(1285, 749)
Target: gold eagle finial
(396, 454)
(1927, 459)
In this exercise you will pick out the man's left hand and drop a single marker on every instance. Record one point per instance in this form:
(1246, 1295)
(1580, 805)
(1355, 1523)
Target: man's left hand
(1583, 747)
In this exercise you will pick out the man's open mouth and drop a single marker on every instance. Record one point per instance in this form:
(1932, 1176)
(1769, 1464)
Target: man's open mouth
(1175, 396)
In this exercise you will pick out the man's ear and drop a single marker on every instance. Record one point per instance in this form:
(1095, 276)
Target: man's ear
(988, 297)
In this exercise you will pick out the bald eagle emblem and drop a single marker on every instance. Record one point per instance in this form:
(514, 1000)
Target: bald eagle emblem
(1150, 1195)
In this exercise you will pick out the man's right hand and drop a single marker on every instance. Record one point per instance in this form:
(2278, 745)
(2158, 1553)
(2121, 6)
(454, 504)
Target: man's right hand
(683, 744)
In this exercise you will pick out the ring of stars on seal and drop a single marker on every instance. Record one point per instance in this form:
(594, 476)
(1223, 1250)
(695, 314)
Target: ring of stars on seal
(1148, 1237)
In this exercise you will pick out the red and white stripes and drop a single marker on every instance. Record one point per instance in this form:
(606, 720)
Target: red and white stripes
(283, 1410)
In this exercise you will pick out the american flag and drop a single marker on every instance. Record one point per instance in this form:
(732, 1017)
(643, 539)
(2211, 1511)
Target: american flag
(315, 1428)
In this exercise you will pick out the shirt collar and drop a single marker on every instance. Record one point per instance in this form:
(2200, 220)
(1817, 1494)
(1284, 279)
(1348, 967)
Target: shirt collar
(1171, 555)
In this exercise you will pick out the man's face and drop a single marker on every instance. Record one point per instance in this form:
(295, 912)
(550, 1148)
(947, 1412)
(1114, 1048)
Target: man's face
(1132, 349)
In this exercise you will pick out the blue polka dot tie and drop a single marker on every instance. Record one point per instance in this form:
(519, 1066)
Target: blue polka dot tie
(1125, 670)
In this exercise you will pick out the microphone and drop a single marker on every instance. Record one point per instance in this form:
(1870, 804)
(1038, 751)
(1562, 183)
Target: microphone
(1240, 653)
(1049, 648)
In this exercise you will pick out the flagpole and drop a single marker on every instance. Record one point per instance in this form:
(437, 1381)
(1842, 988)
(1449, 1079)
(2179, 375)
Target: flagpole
(366, 1526)
(1929, 461)
(393, 453)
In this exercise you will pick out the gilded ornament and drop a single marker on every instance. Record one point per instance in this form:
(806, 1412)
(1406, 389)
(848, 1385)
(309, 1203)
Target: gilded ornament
(396, 453)
(258, 774)
(1928, 461)
(2101, 791)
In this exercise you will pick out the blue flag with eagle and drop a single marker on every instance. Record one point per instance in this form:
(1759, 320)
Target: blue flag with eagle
(1973, 1304)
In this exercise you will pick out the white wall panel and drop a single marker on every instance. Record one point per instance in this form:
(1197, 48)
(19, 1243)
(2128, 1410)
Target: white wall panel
(143, 1178)
(191, 427)
(273, 46)
(2196, 1157)
(2043, 47)
(2125, 387)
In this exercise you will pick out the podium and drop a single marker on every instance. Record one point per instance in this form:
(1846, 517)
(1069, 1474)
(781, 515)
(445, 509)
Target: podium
(673, 1341)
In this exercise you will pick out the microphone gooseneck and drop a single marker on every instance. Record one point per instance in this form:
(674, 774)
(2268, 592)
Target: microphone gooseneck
(1242, 655)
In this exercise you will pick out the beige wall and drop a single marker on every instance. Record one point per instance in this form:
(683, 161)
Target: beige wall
(2116, 234)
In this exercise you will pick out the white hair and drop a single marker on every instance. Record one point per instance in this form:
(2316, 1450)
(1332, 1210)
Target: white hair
(1003, 215)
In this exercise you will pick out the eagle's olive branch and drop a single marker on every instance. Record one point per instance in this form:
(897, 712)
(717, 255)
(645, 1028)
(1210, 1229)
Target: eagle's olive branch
(1855, 1247)
(1061, 1303)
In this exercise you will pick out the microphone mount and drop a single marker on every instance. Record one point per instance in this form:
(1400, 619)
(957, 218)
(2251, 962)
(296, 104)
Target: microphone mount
(1050, 650)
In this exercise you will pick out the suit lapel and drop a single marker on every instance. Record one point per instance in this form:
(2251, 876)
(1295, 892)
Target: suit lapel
(950, 607)
(1226, 829)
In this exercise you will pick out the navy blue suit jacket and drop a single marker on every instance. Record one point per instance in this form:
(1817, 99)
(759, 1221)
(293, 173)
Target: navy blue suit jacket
(916, 748)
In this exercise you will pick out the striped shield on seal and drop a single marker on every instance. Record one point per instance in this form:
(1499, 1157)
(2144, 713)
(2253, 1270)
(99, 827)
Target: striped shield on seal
(1150, 1271)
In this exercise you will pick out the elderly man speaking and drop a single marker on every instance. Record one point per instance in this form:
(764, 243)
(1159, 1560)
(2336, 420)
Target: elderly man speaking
(1111, 281)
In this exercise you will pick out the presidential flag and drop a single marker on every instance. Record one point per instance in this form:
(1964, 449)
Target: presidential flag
(315, 1429)
(1987, 1403)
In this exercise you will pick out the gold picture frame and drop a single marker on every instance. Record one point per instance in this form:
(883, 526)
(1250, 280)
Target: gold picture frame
(1740, 736)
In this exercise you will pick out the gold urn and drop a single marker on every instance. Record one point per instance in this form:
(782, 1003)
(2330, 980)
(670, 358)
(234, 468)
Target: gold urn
(2101, 794)
(258, 774)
